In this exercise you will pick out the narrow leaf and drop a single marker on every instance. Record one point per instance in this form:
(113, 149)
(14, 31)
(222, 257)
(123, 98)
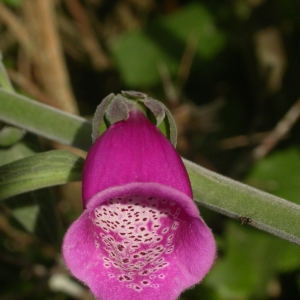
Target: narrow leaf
(4, 80)
(39, 171)
(44, 120)
(234, 199)
(10, 135)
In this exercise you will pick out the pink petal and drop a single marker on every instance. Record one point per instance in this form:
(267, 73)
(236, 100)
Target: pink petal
(108, 247)
(133, 151)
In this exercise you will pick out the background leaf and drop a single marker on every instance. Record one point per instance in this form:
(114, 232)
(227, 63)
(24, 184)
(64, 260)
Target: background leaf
(36, 216)
(250, 263)
(163, 43)
(278, 174)
(10, 135)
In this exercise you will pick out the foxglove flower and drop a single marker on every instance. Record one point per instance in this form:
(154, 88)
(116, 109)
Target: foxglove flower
(140, 235)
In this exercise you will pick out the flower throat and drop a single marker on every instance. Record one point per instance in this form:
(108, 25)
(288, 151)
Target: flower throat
(135, 236)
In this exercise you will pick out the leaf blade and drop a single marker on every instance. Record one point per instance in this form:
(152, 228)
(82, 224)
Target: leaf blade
(234, 199)
(38, 171)
(44, 120)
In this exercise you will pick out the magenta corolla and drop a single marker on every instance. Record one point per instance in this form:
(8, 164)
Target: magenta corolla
(140, 235)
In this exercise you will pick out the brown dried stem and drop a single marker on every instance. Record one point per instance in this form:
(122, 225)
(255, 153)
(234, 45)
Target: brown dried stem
(280, 130)
(169, 88)
(48, 61)
(15, 26)
(242, 140)
(29, 87)
(187, 60)
(98, 57)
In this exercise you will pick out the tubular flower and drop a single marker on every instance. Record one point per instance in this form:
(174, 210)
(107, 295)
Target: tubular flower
(140, 235)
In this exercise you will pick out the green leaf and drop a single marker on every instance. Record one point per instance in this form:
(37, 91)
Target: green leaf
(17, 151)
(10, 135)
(138, 59)
(140, 54)
(195, 20)
(252, 258)
(14, 3)
(44, 120)
(38, 171)
(36, 212)
(234, 199)
(4, 80)
(35, 216)
(278, 174)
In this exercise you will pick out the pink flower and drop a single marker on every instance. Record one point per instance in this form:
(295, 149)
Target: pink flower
(140, 235)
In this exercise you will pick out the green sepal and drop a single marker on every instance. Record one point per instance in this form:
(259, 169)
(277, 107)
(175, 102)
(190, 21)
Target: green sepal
(115, 108)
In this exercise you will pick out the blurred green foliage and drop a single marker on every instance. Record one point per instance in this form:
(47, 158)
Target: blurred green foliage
(14, 3)
(140, 54)
(278, 174)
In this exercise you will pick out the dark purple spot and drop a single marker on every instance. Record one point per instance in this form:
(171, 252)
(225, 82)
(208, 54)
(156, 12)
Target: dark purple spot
(120, 247)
